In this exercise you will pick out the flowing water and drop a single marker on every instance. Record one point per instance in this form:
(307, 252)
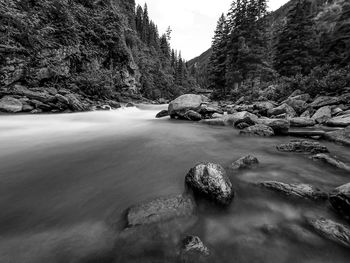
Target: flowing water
(66, 179)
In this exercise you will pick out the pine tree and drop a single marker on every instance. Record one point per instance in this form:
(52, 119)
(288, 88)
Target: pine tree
(297, 47)
(145, 25)
(217, 64)
(138, 19)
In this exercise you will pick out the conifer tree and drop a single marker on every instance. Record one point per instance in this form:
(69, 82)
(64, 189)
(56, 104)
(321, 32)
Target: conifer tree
(297, 48)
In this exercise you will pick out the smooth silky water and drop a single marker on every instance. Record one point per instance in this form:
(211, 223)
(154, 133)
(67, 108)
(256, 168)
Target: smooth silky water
(66, 179)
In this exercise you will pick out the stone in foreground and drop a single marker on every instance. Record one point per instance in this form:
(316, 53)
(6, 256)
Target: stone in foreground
(10, 104)
(193, 244)
(331, 230)
(332, 161)
(303, 191)
(159, 210)
(340, 199)
(258, 130)
(303, 146)
(210, 180)
(245, 162)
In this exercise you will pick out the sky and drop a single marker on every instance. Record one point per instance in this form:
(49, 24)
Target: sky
(192, 21)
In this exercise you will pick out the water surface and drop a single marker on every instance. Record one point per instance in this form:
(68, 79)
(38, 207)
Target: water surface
(65, 179)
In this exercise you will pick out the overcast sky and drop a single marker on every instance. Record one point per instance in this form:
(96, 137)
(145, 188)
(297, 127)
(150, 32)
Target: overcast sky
(193, 21)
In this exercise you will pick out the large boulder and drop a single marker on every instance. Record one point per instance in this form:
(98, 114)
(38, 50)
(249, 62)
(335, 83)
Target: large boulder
(210, 180)
(303, 146)
(340, 199)
(322, 101)
(340, 121)
(301, 122)
(184, 103)
(303, 191)
(160, 209)
(322, 115)
(10, 104)
(258, 130)
(283, 109)
(331, 230)
(279, 126)
(340, 136)
(245, 162)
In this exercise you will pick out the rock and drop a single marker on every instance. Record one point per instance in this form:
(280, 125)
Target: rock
(211, 181)
(340, 200)
(242, 125)
(217, 116)
(284, 108)
(332, 161)
(185, 103)
(340, 121)
(303, 146)
(296, 93)
(10, 104)
(40, 94)
(302, 122)
(331, 230)
(231, 119)
(162, 114)
(306, 114)
(161, 209)
(104, 107)
(36, 111)
(27, 108)
(62, 99)
(322, 101)
(304, 97)
(263, 107)
(303, 191)
(75, 104)
(298, 105)
(258, 130)
(336, 111)
(208, 109)
(247, 120)
(279, 126)
(130, 105)
(281, 116)
(192, 115)
(215, 122)
(245, 162)
(193, 244)
(322, 115)
(340, 136)
(114, 104)
(40, 105)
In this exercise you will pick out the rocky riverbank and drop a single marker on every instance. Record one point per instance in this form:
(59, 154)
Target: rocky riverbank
(20, 99)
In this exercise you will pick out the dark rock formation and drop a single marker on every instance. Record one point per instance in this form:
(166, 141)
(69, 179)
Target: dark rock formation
(162, 114)
(303, 191)
(331, 230)
(245, 162)
(340, 199)
(160, 209)
(210, 180)
(258, 130)
(303, 146)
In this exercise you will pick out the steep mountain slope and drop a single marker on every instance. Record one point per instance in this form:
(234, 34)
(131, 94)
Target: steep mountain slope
(198, 67)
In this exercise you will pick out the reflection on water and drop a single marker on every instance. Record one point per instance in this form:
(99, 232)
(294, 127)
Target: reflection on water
(65, 180)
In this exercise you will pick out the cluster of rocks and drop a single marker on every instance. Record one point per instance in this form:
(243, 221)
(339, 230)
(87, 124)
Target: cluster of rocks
(268, 118)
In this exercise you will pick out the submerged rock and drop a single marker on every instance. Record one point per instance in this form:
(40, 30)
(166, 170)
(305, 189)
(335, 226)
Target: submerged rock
(160, 209)
(303, 191)
(211, 181)
(162, 114)
(332, 161)
(258, 130)
(193, 244)
(331, 230)
(10, 104)
(340, 199)
(340, 136)
(303, 146)
(245, 162)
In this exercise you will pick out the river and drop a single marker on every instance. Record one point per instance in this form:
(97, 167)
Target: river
(64, 180)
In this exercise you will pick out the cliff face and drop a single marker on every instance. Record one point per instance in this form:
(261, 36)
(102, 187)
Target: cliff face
(79, 45)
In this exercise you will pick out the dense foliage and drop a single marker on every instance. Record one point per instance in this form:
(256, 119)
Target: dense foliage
(303, 45)
(98, 48)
